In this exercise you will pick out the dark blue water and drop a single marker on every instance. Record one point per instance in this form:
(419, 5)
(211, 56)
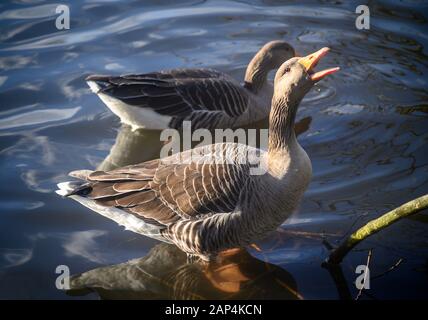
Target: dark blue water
(365, 130)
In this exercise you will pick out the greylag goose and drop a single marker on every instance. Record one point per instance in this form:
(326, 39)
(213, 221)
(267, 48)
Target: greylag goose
(208, 200)
(208, 98)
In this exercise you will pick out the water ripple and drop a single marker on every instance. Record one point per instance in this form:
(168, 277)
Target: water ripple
(37, 117)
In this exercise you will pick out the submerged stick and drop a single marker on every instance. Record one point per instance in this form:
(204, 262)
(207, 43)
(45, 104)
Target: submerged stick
(374, 226)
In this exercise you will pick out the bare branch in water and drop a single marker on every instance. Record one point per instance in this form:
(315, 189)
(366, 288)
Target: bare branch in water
(374, 226)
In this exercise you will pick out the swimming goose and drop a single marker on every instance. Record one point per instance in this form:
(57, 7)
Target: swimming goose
(208, 199)
(208, 98)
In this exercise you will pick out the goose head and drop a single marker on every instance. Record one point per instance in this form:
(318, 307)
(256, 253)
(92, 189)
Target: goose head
(297, 76)
(274, 53)
(293, 80)
(271, 56)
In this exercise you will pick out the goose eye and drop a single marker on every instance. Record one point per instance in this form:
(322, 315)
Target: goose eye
(286, 70)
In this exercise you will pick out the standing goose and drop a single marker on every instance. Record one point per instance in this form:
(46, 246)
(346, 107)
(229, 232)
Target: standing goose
(208, 98)
(214, 202)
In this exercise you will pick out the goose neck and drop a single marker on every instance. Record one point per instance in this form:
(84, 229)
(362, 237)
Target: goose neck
(256, 74)
(281, 125)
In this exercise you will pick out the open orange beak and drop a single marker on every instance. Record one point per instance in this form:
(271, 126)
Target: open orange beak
(310, 61)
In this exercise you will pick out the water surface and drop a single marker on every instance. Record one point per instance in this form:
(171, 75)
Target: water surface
(365, 130)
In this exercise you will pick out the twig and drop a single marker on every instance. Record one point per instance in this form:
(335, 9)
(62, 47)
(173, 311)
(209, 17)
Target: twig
(327, 244)
(374, 226)
(394, 266)
(352, 225)
(369, 256)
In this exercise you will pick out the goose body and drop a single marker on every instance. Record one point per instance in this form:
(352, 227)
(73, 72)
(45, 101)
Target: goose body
(184, 204)
(208, 199)
(208, 98)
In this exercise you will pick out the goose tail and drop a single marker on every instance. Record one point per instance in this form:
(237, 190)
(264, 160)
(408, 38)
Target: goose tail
(67, 188)
(97, 82)
(136, 115)
(77, 190)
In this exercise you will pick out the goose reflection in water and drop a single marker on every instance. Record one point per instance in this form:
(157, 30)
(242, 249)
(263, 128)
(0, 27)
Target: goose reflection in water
(132, 147)
(164, 273)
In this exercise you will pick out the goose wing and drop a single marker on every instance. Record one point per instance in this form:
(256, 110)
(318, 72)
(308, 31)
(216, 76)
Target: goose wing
(204, 96)
(176, 188)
